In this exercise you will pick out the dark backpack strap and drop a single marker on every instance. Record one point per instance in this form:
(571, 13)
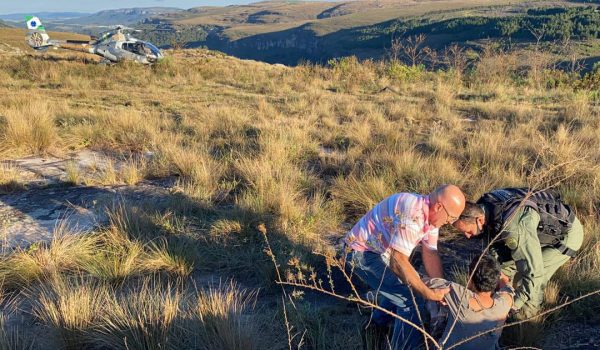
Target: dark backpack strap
(547, 239)
(517, 203)
(563, 249)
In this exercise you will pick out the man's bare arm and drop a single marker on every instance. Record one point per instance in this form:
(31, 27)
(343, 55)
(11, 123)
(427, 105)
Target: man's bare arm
(432, 263)
(401, 266)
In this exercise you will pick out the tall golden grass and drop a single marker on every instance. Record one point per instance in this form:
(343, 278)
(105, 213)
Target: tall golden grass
(306, 149)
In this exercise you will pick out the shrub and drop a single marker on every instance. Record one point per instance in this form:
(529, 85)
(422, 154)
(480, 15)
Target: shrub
(401, 72)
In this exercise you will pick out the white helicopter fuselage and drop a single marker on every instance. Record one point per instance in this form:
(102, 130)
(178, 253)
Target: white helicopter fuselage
(116, 51)
(112, 46)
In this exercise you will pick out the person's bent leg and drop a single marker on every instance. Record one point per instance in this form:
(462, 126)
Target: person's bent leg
(379, 317)
(554, 259)
(405, 336)
(371, 271)
(391, 294)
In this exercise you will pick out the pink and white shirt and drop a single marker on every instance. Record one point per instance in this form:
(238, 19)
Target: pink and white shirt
(400, 222)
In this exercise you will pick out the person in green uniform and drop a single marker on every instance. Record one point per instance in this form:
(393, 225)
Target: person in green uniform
(534, 234)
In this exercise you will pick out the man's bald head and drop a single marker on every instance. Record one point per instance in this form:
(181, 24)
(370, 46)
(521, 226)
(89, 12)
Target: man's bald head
(452, 198)
(446, 203)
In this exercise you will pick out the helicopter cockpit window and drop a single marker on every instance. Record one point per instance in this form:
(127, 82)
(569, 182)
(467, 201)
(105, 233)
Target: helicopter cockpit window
(136, 48)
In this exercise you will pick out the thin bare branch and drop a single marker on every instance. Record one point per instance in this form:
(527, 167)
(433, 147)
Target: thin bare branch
(340, 265)
(414, 300)
(362, 302)
(315, 287)
(287, 324)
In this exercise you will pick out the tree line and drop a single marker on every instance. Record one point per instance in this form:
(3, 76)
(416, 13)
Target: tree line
(578, 23)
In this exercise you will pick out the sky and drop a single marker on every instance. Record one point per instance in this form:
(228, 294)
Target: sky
(32, 6)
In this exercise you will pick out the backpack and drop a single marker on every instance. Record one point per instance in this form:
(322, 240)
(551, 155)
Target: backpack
(555, 216)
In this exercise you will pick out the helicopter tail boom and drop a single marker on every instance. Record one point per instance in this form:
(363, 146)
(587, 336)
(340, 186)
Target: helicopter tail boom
(39, 40)
(37, 37)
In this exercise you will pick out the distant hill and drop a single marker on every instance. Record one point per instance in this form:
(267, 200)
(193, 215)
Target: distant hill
(126, 16)
(257, 13)
(20, 17)
(4, 24)
(289, 32)
(90, 23)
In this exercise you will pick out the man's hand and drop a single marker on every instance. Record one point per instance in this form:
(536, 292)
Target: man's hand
(438, 295)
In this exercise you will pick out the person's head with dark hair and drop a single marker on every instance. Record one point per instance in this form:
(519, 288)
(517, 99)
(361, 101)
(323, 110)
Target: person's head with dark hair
(471, 221)
(487, 274)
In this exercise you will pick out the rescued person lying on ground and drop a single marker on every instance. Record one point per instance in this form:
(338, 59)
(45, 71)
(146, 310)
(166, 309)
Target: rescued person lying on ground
(484, 306)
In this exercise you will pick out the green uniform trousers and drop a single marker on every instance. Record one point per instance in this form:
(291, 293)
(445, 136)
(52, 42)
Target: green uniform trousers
(533, 265)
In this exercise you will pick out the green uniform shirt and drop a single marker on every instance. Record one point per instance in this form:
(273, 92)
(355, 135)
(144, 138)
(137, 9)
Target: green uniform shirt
(520, 235)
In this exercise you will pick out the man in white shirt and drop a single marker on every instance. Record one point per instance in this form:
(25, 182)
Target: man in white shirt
(382, 242)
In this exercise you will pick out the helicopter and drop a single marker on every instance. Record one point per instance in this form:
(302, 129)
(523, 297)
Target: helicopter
(113, 46)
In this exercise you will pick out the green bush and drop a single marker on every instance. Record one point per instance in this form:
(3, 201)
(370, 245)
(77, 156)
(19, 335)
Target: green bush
(402, 72)
(556, 78)
(344, 65)
(350, 74)
(590, 81)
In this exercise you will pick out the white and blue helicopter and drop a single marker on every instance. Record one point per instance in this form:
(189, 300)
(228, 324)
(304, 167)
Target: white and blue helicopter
(113, 46)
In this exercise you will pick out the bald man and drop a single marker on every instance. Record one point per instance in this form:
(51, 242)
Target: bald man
(381, 244)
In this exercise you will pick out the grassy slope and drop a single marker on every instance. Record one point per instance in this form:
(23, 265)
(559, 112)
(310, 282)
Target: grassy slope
(264, 11)
(304, 149)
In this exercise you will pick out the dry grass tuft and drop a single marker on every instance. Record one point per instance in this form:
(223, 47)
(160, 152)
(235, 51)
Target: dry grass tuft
(200, 174)
(118, 259)
(134, 171)
(71, 307)
(167, 257)
(146, 317)
(222, 321)
(28, 128)
(73, 173)
(10, 179)
(220, 229)
(67, 252)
